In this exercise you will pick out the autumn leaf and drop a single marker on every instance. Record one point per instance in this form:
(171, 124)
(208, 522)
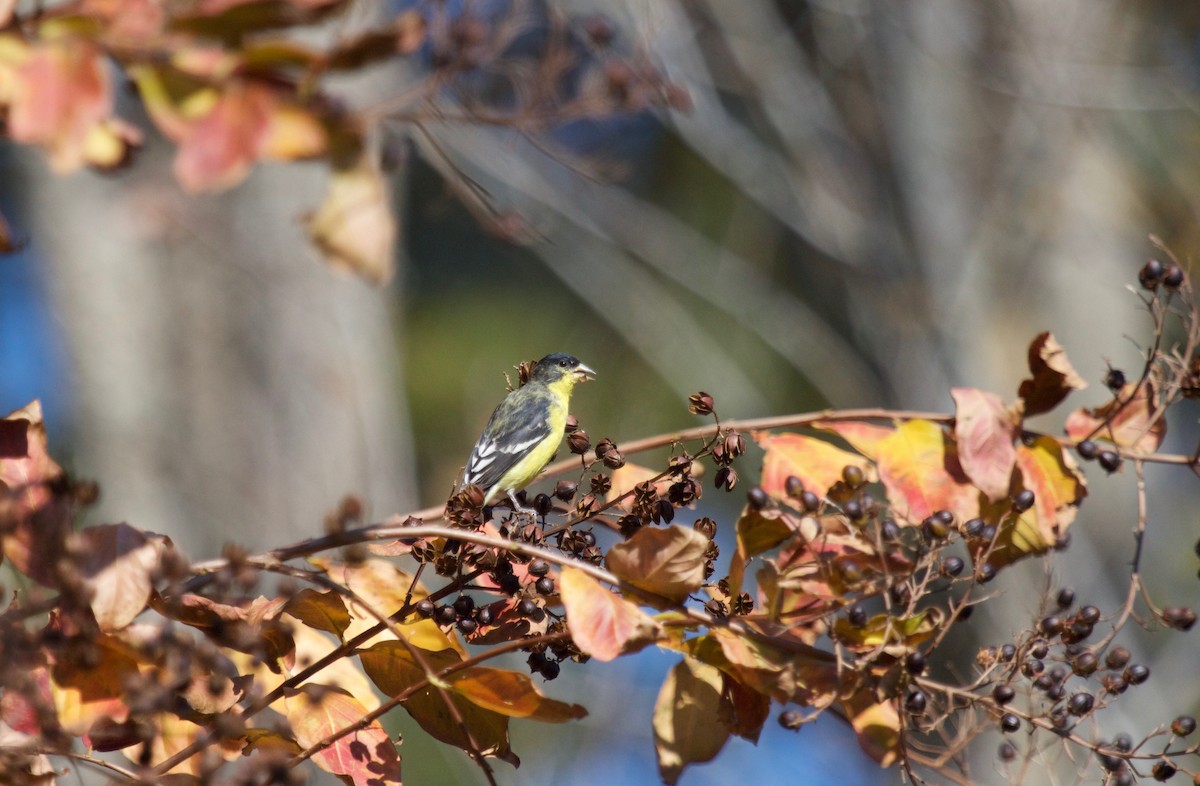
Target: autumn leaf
(666, 563)
(794, 672)
(921, 472)
(758, 530)
(118, 563)
(686, 726)
(627, 478)
(511, 693)
(817, 463)
(254, 629)
(1133, 419)
(896, 635)
(876, 723)
(743, 709)
(321, 610)
(87, 681)
(603, 624)
(392, 667)
(863, 437)
(33, 770)
(60, 92)
(1058, 488)
(366, 756)
(8, 243)
(355, 228)
(985, 432)
(1053, 377)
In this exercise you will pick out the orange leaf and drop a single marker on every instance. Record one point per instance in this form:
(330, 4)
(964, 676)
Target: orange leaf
(366, 756)
(1053, 377)
(88, 680)
(603, 624)
(985, 432)
(118, 565)
(922, 474)
(512, 694)
(1133, 419)
(354, 227)
(686, 729)
(392, 667)
(33, 520)
(1058, 487)
(863, 437)
(667, 563)
(817, 463)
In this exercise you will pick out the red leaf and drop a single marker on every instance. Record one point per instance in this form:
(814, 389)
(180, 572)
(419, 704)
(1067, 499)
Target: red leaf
(60, 93)
(366, 756)
(603, 624)
(1053, 377)
(985, 432)
(218, 150)
(1133, 419)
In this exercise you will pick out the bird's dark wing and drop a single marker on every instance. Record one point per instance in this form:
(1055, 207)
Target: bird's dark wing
(515, 428)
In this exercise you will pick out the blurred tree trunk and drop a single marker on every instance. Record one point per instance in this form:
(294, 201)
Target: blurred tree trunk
(229, 385)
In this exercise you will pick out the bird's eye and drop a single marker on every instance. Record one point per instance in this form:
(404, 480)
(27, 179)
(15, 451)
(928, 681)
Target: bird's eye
(563, 363)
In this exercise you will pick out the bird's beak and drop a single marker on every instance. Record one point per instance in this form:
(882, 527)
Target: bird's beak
(583, 373)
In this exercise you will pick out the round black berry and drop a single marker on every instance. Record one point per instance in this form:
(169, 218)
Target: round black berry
(1087, 450)
(464, 605)
(856, 616)
(551, 669)
(484, 616)
(467, 626)
(973, 528)
(915, 702)
(1009, 723)
(812, 503)
(545, 586)
(1114, 379)
(1163, 770)
(793, 486)
(1151, 274)
(1173, 278)
(1116, 658)
(1136, 674)
(853, 510)
(527, 608)
(889, 530)
(1003, 694)
(1007, 751)
(1065, 598)
(446, 615)
(1110, 460)
(539, 567)
(914, 662)
(952, 566)
(1081, 704)
(985, 573)
(757, 498)
(853, 476)
(426, 608)
(1183, 725)
(1023, 501)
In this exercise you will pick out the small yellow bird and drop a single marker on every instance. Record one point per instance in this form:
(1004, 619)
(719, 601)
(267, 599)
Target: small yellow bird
(525, 430)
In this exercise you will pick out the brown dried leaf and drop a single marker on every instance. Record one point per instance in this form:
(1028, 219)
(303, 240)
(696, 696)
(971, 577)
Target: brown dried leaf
(1053, 377)
(355, 228)
(1133, 419)
(512, 694)
(686, 730)
(603, 624)
(985, 432)
(666, 563)
(118, 564)
(758, 530)
(321, 610)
